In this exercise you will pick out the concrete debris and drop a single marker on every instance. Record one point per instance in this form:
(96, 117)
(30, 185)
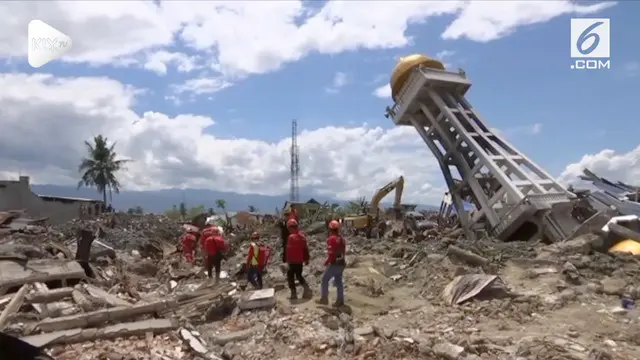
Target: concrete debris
(129, 294)
(466, 287)
(109, 332)
(258, 299)
(194, 343)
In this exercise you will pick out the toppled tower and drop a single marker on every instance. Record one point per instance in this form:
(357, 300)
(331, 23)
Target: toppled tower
(514, 198)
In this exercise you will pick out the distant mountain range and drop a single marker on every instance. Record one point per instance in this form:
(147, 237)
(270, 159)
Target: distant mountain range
(161, 200)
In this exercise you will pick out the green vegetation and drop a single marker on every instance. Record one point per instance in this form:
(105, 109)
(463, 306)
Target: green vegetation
(138, 210)
(100, 166)
(180, 212)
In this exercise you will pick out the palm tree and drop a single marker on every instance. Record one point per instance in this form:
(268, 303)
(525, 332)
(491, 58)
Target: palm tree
(100, 166)
(221, 204)
(252, 209)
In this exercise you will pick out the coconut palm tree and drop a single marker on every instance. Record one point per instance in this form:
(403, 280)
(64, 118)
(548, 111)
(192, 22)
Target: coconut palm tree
(100, 166)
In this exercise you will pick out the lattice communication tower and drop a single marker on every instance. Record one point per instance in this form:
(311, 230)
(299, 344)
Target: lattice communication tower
(294, 194)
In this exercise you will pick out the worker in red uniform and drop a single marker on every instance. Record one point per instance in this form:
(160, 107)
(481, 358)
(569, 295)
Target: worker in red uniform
(209, 229)
(335, 264)
(289, 214)
(293, 213)
(297, 257)
(188, 241)
(257, 260)
(214, 247)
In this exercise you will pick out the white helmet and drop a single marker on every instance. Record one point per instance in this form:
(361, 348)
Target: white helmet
(210, 221)
(221, 230)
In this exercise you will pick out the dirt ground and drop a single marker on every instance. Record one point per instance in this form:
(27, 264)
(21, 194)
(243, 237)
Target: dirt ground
(543, 302)
(550, 314)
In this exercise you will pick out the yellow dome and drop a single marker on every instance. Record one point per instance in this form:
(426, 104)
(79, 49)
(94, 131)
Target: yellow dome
(401, 72)
(626, 246)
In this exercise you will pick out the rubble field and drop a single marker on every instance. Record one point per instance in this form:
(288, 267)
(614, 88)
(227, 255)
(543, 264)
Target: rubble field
(432, 296)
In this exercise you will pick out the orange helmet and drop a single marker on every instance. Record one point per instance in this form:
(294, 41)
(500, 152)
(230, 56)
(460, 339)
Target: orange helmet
(292, 223)
(334, 225)
(255, 235)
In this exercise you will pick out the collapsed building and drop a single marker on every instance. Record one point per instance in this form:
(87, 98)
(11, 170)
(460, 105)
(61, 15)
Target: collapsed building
(17, 194)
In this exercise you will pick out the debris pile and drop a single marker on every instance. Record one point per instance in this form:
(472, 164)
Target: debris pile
(411, 296)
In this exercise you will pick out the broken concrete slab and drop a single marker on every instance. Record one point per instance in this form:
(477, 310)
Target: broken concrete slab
(48, 296)
(448, 351)
(105, 297)
(221, 339)
(13, 306)
(258, 299)
(73, 336)
(13, 274)
(194, 343)
(95, 318)
(82, 301)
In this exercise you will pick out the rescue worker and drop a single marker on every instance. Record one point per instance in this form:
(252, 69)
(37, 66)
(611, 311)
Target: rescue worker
(292, 213)
(214, 248)
(188, 241)
(284, 235)
(297, 257)
(335, 263)
(256, 261)
(208, 230)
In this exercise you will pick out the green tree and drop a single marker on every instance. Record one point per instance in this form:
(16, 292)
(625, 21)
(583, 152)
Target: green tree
(173, 213)
(138, 210)
(100, 166)
(252, 209)
(221, 204)
(195, 211)
(183, 210)
(358, 207)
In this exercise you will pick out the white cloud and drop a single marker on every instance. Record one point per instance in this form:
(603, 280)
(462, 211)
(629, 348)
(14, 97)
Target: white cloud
(383, 92)
(177, 152)
(607, 163)
(202, 85)
(158, 61)
(109, 32)
(483, 21)
(340, 80)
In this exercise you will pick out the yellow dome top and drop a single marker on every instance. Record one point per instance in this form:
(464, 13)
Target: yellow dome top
(403, 69)
(626, 246)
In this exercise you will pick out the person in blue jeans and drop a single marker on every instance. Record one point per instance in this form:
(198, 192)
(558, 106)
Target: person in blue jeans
(335, 263)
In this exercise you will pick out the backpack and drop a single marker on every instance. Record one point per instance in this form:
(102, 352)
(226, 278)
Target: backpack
(264, 254)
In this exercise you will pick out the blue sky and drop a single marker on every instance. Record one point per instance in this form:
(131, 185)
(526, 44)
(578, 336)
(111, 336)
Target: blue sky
(522, 85)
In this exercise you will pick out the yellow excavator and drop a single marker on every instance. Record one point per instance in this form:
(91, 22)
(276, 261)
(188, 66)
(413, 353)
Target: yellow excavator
(371, 220)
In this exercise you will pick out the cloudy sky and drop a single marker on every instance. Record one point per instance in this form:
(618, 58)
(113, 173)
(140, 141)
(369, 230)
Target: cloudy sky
(202, 94)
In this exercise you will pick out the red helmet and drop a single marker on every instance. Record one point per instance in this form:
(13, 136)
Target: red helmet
(214, 230)
(255, 235)
(292, 223)
(334, 225)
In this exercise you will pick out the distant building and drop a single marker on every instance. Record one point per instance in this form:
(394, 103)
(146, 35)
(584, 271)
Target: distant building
(17, 195)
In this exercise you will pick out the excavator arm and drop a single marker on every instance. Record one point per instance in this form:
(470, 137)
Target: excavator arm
(398, 185)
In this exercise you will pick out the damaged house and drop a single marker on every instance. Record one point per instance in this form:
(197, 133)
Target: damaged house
(17, 195)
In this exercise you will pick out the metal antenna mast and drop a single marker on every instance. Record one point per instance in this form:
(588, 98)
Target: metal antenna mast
(294, 194)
